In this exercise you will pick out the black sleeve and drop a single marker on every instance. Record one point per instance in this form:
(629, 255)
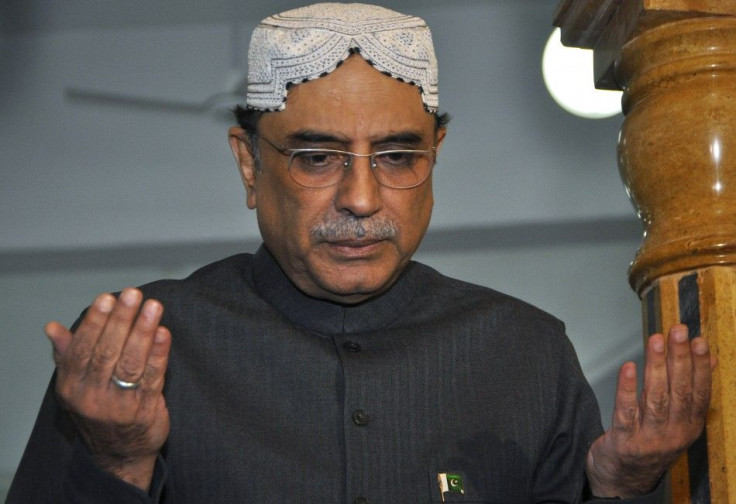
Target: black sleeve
(656, 496)
(561, 477)
(57, 468)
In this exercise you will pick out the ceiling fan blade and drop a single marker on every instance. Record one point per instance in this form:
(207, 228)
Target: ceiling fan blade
(138, 102)
(220, 105)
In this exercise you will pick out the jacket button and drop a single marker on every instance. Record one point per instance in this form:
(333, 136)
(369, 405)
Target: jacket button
(351, 346)
(360, 417)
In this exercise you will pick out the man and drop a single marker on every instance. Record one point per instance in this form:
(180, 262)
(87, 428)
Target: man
(329, 367)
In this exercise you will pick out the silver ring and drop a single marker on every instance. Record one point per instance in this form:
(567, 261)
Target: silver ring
(125, 385)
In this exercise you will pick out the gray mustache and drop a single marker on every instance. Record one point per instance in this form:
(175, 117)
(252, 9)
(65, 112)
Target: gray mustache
(349, 228)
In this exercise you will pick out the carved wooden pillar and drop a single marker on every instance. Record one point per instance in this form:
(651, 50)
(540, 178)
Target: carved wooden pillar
(676, 62)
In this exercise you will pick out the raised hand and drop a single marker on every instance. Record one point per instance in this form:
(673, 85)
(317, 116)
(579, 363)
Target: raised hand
(110, 377)
(649, 432)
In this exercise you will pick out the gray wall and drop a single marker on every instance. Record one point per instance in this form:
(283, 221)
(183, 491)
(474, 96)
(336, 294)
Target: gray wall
(95, 196)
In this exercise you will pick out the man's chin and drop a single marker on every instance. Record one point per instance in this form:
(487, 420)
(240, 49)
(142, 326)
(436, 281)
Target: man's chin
(351, 276)
(352, 288)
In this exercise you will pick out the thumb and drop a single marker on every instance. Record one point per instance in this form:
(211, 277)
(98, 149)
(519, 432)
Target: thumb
(60, 338)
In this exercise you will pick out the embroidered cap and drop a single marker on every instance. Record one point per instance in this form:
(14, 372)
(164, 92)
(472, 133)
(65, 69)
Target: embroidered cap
(310, 42)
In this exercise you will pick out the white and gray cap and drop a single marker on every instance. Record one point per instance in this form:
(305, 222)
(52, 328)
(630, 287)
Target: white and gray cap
(310, 42)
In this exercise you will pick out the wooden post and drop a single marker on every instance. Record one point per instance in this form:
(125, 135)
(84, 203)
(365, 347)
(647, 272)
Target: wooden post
(676, 63)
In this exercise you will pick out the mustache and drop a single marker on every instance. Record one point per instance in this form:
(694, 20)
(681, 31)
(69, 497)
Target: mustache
(350, 228)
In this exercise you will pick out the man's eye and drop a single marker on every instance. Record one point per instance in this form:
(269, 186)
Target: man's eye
(396, 159)
(319, 159)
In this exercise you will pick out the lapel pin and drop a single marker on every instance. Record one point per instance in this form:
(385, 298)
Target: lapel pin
(450, 483)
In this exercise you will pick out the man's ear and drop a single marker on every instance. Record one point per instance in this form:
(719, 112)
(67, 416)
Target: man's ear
(440, 138)
(246, 162)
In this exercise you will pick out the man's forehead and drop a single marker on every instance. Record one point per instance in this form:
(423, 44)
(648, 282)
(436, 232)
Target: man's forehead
(311, 42)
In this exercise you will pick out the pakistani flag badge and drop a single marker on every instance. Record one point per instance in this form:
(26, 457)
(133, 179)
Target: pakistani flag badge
(450, 483)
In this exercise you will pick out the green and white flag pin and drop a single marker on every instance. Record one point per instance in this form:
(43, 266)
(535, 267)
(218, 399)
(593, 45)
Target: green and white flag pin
(449, 482)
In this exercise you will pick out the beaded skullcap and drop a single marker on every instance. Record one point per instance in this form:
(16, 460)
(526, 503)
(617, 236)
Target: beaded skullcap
(310, 42)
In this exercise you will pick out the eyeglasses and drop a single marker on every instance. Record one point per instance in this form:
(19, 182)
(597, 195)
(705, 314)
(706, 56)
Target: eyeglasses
(397, 169)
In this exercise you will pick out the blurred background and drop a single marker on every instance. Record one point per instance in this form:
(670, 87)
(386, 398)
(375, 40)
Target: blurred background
(115, 171)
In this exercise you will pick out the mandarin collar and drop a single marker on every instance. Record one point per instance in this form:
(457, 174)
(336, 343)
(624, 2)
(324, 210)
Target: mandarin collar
(327, 317)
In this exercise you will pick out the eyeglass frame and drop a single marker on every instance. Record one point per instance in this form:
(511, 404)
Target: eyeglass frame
(285, 151)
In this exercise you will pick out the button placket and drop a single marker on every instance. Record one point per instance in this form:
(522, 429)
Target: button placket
(356, 370)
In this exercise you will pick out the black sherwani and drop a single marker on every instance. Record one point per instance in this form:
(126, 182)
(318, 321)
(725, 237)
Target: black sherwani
(277, 397)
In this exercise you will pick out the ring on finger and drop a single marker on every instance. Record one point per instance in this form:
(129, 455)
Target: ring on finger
(125, 385)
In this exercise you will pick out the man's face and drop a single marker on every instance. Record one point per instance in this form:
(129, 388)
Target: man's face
(349, 241)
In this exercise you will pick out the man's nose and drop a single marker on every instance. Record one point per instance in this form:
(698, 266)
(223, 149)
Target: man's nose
(359, 191)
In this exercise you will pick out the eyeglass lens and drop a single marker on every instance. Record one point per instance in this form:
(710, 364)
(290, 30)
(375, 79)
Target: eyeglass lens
(397, 169)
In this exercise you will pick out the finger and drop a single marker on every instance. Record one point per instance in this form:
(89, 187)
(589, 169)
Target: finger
(655, 395)
(680, 374)
(110, 343)
(626, 405)
(158, 360)
(79, 351)
(132, 362)
(703, 364)
(60, 338)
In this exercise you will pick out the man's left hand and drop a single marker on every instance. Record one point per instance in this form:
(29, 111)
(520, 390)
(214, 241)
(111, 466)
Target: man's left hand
(648, 433)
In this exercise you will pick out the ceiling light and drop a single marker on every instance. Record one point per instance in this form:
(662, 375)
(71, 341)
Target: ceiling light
(568, 74)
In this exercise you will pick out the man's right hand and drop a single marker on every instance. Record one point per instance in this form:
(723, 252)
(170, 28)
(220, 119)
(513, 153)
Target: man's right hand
(124, 428)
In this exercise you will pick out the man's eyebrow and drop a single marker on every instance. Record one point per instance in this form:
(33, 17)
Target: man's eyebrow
(404, 137)
(313, 136)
